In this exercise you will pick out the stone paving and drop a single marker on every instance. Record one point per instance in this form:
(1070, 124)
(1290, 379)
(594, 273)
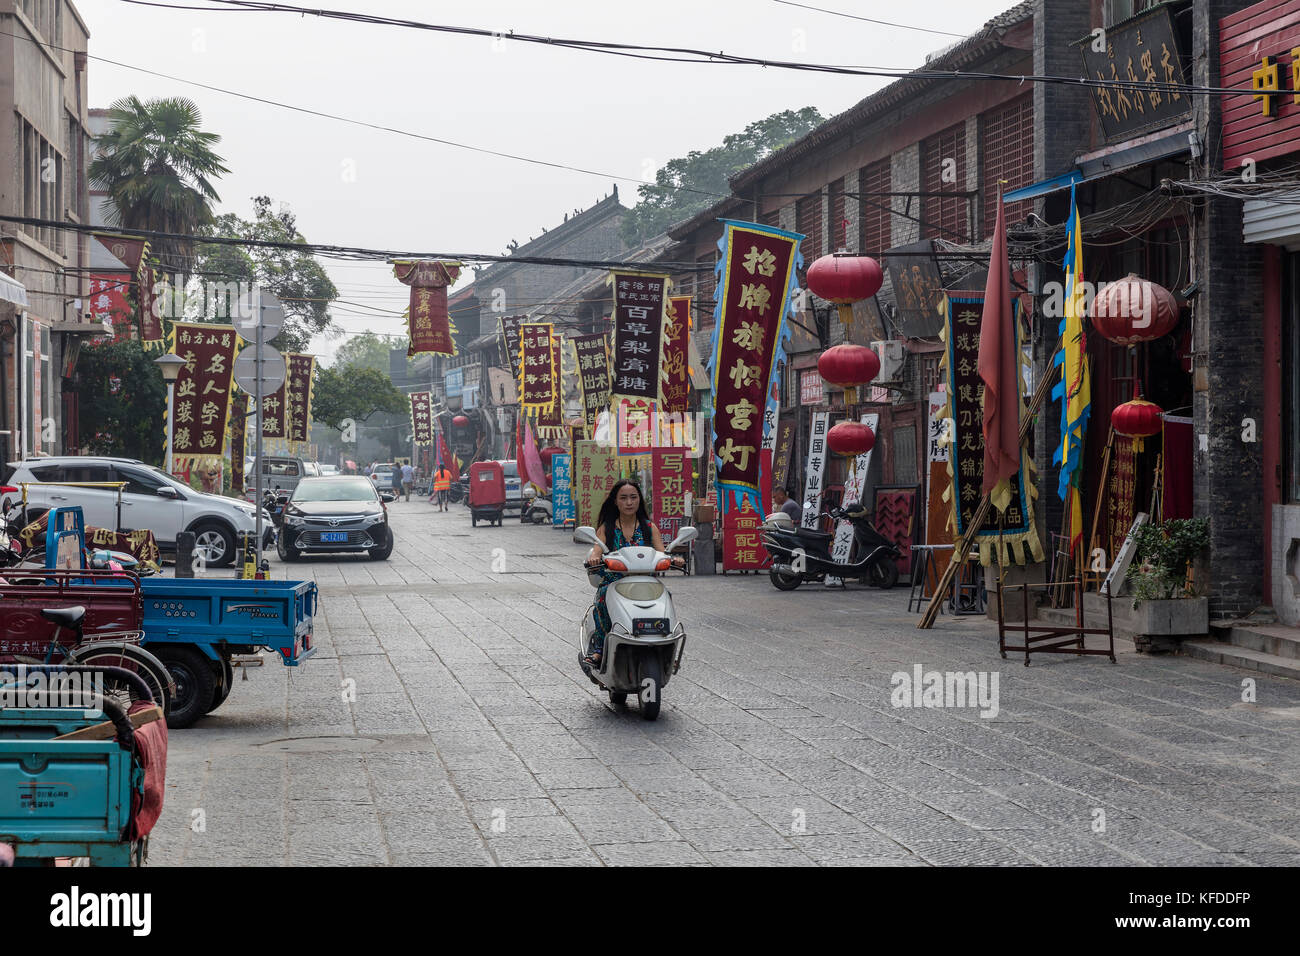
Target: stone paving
(444, 720)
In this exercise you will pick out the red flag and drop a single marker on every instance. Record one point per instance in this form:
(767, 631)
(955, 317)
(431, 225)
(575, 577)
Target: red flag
(999, 367)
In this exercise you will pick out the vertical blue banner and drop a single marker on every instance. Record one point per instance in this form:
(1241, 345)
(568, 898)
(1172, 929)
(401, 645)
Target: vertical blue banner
(561, 492)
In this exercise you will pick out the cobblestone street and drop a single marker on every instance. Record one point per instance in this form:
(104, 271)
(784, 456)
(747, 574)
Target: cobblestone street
(474, 738)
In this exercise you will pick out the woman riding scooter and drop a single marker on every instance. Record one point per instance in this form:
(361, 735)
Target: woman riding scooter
(622, 522)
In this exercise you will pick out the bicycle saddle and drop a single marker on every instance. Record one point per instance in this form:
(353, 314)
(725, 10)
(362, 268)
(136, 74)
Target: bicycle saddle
(64, 616)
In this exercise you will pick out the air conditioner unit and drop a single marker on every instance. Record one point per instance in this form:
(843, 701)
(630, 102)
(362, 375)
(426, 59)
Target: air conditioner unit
(892, 355)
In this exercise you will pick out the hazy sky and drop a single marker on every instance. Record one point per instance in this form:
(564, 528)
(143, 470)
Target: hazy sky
(619, 116)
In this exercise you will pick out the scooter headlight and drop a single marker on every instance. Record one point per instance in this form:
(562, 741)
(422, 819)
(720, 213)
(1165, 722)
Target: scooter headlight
(640, 590)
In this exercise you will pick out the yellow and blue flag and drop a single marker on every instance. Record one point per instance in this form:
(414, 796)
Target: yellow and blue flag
(1074, 390)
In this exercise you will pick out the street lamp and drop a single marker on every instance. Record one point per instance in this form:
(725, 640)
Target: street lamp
(170, 365)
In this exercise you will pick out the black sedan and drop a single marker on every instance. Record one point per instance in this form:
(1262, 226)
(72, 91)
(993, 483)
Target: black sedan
(338, 514)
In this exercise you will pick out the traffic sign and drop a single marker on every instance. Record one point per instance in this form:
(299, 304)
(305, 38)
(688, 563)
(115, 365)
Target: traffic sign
(269, 315)
(273, 370)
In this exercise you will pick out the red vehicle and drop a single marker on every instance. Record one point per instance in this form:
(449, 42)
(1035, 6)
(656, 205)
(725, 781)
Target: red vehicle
(487, 492)
(71, 617)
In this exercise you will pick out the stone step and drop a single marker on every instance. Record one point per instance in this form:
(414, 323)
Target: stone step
(1092, 617)
(1208, 649)
(1275, 639)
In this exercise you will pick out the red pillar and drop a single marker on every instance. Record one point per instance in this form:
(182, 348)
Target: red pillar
(1271, 427)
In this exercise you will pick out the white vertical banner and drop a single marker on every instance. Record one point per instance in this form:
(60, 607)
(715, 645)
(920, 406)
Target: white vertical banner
(936, 435)
(854, 489)
(816, 468)
(772, 414)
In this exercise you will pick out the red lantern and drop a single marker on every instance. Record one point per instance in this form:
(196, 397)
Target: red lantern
(845, 279)
(848, 366)
(850, 439)
(546, 454)
(460, 421)
(1137, 420)
(1134, 310)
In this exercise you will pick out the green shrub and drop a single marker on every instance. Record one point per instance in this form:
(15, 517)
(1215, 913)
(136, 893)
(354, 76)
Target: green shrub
(1164, 552)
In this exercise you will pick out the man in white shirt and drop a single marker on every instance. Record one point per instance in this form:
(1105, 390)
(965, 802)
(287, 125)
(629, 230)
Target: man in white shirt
(408, 479)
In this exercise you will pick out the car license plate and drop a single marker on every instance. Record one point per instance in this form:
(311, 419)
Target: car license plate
(650, 625)
(329, 537)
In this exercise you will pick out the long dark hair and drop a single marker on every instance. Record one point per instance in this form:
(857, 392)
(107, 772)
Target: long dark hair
(609, 513)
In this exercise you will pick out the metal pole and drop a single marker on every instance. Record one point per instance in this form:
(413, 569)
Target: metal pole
(257, 453)
(171, 422)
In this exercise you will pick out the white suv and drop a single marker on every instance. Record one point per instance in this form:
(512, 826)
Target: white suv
(151, 499)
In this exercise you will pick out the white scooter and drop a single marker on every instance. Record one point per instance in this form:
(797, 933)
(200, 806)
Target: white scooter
(644, 646)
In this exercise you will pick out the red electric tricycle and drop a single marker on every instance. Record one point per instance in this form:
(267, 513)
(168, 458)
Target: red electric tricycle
(487, 493)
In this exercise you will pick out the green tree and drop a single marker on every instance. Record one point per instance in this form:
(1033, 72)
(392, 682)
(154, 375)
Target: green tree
(157, 166)
(296, 278)
(354, 392)
(121, 401)
(668, 201)
(368, 350)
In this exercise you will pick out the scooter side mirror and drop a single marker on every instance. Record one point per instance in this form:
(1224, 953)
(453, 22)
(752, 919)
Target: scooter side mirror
(689, 533)
(587, 535)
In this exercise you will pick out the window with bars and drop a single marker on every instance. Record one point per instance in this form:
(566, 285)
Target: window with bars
(771, 218)
(945, 217)
(929, 373)
(1007, 152)
(839, 229)
(873, 208)
(808, 220)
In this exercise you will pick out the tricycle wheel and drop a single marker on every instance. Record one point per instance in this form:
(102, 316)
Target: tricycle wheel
(225, 681)
(618, 698)
(473, 521)
(195, 684)
(135, 659)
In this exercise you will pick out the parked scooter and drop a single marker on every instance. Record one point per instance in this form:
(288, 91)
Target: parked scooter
(536, 508)
(644, 646)
(274, 502)
(799, 554)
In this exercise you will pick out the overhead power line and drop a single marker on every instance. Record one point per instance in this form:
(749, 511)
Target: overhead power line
(693, 55)
(883, 23)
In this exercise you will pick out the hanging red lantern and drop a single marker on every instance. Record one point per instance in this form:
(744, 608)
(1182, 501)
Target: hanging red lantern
(848, 366)
(546, 454)
(1137, 420)
(1134, 310)
(844, 279)
(460, 421)
(850, 439)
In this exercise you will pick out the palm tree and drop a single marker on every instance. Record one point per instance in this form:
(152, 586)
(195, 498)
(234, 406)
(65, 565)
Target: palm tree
(157, 167)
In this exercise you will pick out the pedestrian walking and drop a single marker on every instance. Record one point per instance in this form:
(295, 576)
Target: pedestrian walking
(408, 479)
(442, 486)
(397, 480)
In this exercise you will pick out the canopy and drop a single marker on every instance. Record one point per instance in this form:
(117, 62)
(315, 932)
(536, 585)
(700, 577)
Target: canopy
(11, 290)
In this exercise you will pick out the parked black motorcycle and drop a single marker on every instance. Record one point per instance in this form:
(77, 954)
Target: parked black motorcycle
(274, 502)
(800, 555)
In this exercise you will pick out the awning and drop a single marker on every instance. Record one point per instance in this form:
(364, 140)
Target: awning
(11, 290)
(1265, 220)
(1111, 160)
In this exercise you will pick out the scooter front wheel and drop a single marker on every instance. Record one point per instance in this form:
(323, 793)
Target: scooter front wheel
(651, 679)
(784, 582)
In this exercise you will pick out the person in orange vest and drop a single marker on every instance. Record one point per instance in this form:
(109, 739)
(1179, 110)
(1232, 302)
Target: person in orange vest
(442, 486)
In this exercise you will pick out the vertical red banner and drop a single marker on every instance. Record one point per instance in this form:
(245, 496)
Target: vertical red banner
(202, 400)
(297, 408)
(422, 418)
(742, 546)
(676, 336)
(757, 269)
(536, 383)
(429, 323)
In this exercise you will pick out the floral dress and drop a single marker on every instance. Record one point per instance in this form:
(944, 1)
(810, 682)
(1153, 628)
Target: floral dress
(601, 614)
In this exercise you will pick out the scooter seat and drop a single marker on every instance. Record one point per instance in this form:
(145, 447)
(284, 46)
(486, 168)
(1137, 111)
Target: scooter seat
(813, 535)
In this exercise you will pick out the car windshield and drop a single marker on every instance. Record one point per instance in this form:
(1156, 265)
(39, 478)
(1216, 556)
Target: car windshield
(511, 469)
(335, 489)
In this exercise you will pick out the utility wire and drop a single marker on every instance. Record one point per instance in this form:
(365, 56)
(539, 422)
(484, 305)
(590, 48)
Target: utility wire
(709, 56)
(852, 16)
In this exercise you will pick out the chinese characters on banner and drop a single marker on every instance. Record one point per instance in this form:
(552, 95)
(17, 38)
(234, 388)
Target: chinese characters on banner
(591, 358)
(422, 418)
(677, 331)
(639, 319)
(854, 489)
(757, 268)
(134, 253)
(1121, 493)
(670, 480)
(937, 483)
(782, 453)
(966, 451)
(202, 399)
(536, 381)
(595, 469)
(510, 339)
(816, 467)
(297, 404)
(742, 546)
(108, 301)
(550, 420)
(561, 490)
(428, 321)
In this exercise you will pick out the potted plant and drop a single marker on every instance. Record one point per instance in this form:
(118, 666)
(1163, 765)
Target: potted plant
(1165, 595)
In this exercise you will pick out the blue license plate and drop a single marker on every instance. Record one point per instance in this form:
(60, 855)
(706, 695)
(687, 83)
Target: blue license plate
(330, 537)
